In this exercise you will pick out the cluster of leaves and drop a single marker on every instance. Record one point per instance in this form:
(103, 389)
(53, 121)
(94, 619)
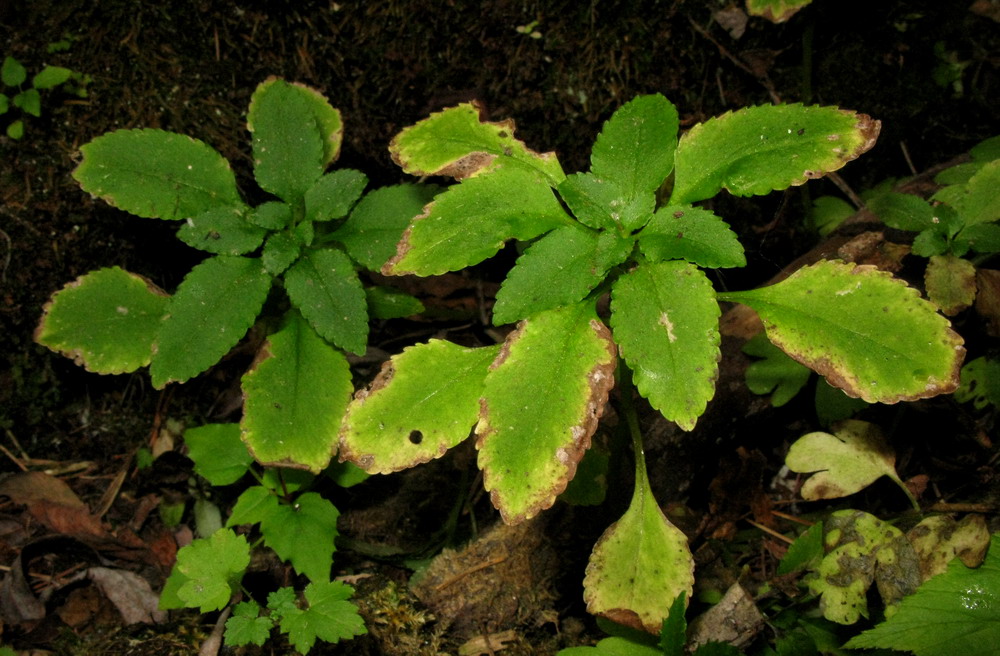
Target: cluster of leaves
(535, 400)
(28, 99)
(309, 244)
(298, 525)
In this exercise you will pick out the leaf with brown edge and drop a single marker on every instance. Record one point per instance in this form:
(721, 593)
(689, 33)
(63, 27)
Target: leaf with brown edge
(455, 142)
(543, 397)
(867, 332)
(950, 283)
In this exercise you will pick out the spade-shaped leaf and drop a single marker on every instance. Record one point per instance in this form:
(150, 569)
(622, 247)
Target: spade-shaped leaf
(560, 268)
(666, 323)
(296, 134)
(456, 143)
(860, 549)
(211, 311)
(294, 398)
(848, 461)
(471, 221)
(757, 150)
(639, 562)
(218, 452)
(957, 612)
(543, 397)
(156, 174)
(324, 286)
(865, 331)
(423, 402)
(105, 320)
(303, 533)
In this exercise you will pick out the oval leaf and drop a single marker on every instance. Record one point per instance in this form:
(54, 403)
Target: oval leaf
(636, 145)
(156, 174)
(757, 150)
(543, 397)
(324, 286)
(666, 323)
(105, 320)
(456, 143)
(222, 230)
(213, 308)
(423, 402)
(865, 331)
(294, 398)
(638, 564)
(683, 232)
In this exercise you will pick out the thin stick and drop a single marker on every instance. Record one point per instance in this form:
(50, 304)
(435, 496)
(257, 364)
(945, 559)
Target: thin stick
(770, 532)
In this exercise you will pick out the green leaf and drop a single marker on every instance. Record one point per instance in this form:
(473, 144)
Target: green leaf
(673, 633)
(303, 533)
(272, 215)
(324, 286)
(828, 212)
(252, 506)
(212, 569)
(222, 230)
(606, 204)
(693, 234)
(589, 486)
(218, 452)
(334, 194)
(4, 104)
(757, 150)
(294, 398)
(666, 323)
(51, 76)
(544, 395)
(29, 101)
(776, 372)
(376, 224)
(776, 11)
(562, 267)
(454, 142)
(636, 145)
(424, 401)
(976, 200)
(211, 311)
(156, 174)
(980, 383)
(613, 646)
(470, 221)
(296, 134)
(638, 562)
(848, 461)
(329, 617)
(865, 331)
(346, 474)
(283, 601)
(16, 129)
(247, 626)
(860, 549)
(12, 72)
(389, 303)
(280, 250)
(903, 211)
(957, 612)
(805, 552)
(105, 320)
(833, 404)
(951, 283)
(981, 237)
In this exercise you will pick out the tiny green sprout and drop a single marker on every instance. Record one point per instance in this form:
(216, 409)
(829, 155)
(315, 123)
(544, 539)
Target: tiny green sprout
(628, 228)
(28, 99)
(302, 249)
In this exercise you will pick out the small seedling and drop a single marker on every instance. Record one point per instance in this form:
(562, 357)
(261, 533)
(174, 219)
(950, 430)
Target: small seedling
(302, 250)
(535, 400)
(29, 99)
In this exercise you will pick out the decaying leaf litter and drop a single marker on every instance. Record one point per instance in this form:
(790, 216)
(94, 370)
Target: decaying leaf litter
(105, 427)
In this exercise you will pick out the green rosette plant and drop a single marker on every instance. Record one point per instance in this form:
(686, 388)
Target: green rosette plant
(629, 228)
(308, 243)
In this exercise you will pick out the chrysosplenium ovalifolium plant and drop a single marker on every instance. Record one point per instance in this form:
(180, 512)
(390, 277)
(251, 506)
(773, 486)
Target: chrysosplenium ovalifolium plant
(535, 400)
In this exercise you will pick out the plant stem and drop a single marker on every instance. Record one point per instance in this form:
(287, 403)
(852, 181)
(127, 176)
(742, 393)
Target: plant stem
(626, 391)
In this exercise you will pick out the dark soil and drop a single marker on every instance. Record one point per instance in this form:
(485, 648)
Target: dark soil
(190, 66)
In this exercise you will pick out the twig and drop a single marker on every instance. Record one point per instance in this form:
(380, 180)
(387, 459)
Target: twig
(846, 188)
(771, 532)
(213, 643)
(472, 570)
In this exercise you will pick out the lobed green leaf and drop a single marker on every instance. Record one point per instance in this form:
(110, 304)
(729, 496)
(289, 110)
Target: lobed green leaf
(562, 267)
(455, 142)
(756, 150)
(329, 616)
(543, 397)
(303, 533)
(666, 324)
(156, 174)
(294, 396)
(211, 311)
(106, 320)
(324, 286)
(424, 401)
(775, 372)
(865, 331)
(470, 222)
